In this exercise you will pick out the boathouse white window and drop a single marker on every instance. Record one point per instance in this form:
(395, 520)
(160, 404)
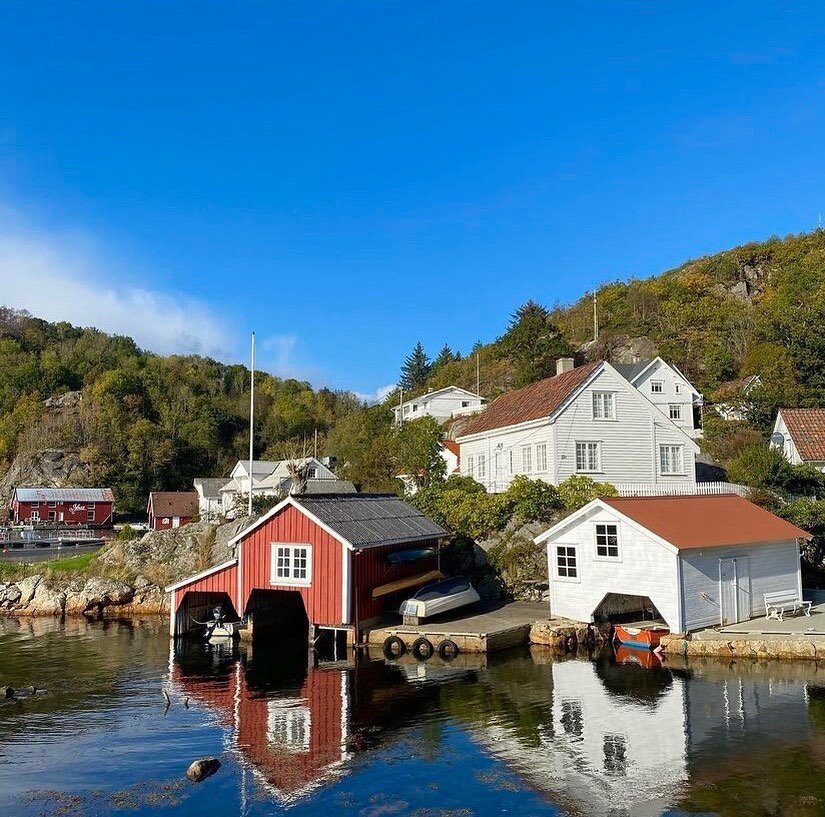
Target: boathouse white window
(541, 457)
(527, 460)
(607, 541)
(566, 565)
(671, 459)
(657, 386)
(482, 465)
(471, 463)
(288, 725)
(35, 516)
(90, 514)
(52, 504)
(291, 564)
(588, 457)
(675, 411)
(312, 473)
(604, 405)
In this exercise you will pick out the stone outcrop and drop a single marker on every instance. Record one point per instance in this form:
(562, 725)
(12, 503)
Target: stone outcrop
(790, 648)
(49, 468)
(563, 635)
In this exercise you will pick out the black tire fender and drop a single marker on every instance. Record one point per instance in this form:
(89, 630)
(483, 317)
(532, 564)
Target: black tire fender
(393, 647)
(422, 649)
(448, 650)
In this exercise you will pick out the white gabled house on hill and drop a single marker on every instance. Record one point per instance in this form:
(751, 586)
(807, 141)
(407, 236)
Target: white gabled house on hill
(696, 561)
(666, 387)
(586, 420)
(799, 433)
(442, 405)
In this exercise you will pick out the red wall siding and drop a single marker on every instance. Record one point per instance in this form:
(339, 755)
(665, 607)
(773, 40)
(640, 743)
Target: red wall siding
(371, 569)
(322, 599)
(165, 522)
(74, 513)
(223, 581)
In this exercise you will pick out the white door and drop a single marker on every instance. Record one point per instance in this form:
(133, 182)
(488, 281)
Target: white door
(734, 590)
(175, 521)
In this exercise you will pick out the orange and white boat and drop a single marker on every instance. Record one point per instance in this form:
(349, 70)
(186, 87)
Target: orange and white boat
(642, 635)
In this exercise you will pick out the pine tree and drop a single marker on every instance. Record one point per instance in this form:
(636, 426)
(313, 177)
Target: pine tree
(533, 343)
(416, 368)
(446, 355)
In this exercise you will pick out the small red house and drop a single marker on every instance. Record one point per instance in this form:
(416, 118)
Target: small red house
(335, 561)
(171, 509)
(91, 507)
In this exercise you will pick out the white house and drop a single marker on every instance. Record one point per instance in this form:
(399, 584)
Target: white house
(210, 502)
(442, 405)
(799, 434)
(666, 387)
(733, 400)
(586, 420)
(697, 561)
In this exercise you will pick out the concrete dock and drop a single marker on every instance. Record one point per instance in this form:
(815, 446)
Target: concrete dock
(482, 629)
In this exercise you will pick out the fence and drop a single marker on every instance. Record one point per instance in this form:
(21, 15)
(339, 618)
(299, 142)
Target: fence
(677, 489)
(46, 535)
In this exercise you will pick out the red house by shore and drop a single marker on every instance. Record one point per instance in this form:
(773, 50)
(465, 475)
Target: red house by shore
(326, 562)
(171, 509)
(91, 507)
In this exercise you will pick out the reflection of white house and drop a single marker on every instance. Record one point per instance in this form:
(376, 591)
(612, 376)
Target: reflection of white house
(442, 404)
(666, 387)
(698, 560)
(799, 434)
(586, 420)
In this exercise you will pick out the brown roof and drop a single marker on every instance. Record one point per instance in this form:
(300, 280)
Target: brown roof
(174, 503)
(706, 521)
(452, 445)
(807, 429)
(530, 402)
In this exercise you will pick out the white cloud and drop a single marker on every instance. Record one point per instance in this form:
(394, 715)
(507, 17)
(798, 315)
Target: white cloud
(378, 396)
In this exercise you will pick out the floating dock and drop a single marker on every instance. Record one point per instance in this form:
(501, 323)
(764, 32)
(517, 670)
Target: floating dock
(483, 629)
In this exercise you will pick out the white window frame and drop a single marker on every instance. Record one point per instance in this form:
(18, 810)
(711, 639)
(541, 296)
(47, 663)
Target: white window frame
(465, 404)
(606, 557)
(671, 472)
(290, 580)
(34, 516)
(567, 555)
(654, 384)
(671, 407)
(677, 387)
(541, 458)
(604, 409)
(511, 462)
(482, 466)
(598, 468)
(289, 725)
(527, 459)
(471, 463)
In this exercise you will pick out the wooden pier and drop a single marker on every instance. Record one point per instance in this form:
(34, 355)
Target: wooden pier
(483, 629)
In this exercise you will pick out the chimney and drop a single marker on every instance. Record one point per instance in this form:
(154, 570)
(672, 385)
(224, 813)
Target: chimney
(565, 364)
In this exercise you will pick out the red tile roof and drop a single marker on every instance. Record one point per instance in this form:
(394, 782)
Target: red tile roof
(807, 429)
(530, 402)
(706, 521)
(174, 503)
(453, 446)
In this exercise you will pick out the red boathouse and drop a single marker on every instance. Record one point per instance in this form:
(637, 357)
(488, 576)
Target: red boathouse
(91, 507)
(320, 562)
(171, 509)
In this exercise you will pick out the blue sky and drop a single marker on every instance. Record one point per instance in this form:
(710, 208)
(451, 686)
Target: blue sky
(349, 178)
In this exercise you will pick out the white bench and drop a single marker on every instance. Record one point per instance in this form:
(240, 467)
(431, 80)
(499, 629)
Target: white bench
(785, 601)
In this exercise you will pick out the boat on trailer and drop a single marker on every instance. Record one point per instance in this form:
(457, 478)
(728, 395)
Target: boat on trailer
(438, 597)
(644, 635)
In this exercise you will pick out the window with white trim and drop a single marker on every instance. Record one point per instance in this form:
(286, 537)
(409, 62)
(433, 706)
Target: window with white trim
(35, 516)
(291, 564)
(527, 459)
(465, 404)
(90, 514)
(482, 465)
(588, 457)
(566, 564)
(607, 541)
(677, 387)
(52, 504)
(312, 473)
(541, 457)
(604, 405)
(289, 725)
(657, 386)
(675, 411)
(471, 464)
(511, 463)
(671, 460)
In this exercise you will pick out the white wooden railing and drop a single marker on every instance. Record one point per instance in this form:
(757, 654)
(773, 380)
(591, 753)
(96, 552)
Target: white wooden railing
(678, 489)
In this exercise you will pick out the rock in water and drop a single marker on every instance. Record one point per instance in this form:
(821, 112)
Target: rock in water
(202, 768)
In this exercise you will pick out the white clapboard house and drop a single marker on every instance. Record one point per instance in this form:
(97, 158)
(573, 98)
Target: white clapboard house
(441, 404)
(799, 433)
(695, 561)
(586, 420)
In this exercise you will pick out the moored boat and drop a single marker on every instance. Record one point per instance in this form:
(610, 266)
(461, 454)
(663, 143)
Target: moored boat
(439, 597)
(644, 635)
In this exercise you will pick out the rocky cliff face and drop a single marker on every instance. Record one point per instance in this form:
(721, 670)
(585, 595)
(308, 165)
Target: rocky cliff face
(49, 468)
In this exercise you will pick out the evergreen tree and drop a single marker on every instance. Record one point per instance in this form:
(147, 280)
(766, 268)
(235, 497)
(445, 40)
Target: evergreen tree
(446, 355)
(534, 343)
(416, 368)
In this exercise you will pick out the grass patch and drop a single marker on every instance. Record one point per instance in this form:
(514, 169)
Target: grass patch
(64, 566)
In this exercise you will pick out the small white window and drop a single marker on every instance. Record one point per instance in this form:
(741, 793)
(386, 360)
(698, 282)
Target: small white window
(35, 516)
(604, 405)
(35, 504)
(670, 459)
(675, 411)
(406, 409)
(291, 564)
(415, 406)
(465, 404)
(588, 457)
(511, 463)
(52, 504)
(527, 460)
(471, 462)
(657, 386)
(566, 565)
(607, 541)
(312, 473)
(677, 387)
(541, 457)
(482, 465)
(90, 515)
(52, 516)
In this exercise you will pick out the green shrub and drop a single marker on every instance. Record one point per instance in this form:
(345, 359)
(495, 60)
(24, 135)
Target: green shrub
(532, 500)
(126, 533)
(759, 466)
(576, 491)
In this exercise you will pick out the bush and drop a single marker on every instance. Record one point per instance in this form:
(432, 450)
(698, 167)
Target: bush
(126, 533)
(532, 500)
(576, 491)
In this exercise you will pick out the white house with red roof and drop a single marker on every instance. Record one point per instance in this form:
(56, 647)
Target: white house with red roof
(451, 454)
(693, 561)
(799, 433)
(587, 420)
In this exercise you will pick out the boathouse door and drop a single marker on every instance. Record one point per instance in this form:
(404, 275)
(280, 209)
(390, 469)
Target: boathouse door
(734, 590)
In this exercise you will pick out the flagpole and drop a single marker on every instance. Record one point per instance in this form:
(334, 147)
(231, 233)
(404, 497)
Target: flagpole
(251, 421)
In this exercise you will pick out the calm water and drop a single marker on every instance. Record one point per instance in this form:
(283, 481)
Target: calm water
(516, 735)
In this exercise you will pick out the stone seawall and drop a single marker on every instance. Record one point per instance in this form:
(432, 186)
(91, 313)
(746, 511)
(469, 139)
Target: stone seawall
(787, 648)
